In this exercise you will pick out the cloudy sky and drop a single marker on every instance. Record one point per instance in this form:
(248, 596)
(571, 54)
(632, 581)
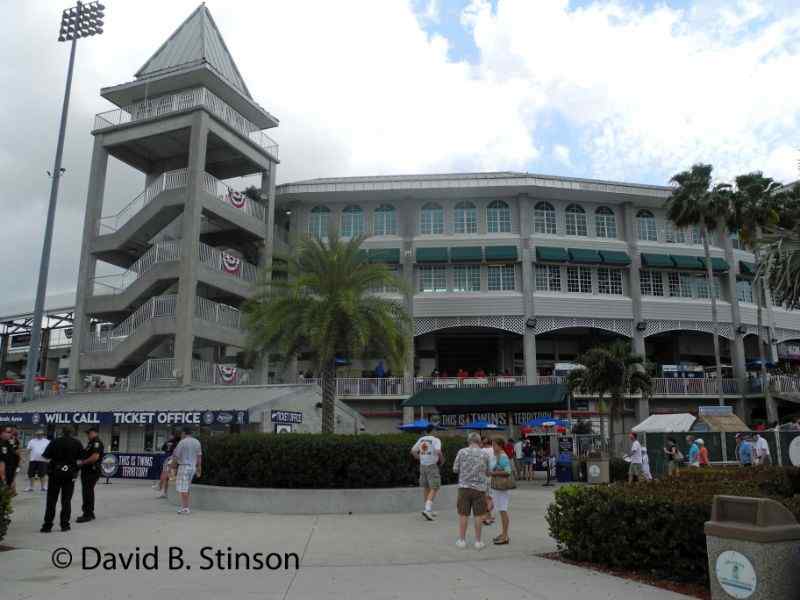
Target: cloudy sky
(620, 90)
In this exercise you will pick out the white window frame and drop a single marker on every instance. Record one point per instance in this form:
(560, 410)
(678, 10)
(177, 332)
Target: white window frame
(744, 291)
(605, 223)
(547, 278)
(465, 218)
(353, 224)
(646, 226)
(681, 284)
(384, 220)
(579, 280)
(651, 283)
(431, 220)
(575, 221)
(388, 289)
(609, 282)
(319, 221)
(498, 217)
(544, 219)
(504, 278)
(466, 278)
(432, 279)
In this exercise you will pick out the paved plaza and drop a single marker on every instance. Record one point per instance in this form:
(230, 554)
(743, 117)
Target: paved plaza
(371, 556)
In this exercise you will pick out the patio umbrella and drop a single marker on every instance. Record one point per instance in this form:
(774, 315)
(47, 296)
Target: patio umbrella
(547, 422)
(419, 425)
(41, 379)
(756, 364)
(8, 381)
(481, 426)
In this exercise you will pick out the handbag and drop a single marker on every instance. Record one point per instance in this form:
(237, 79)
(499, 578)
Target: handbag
(503, 483)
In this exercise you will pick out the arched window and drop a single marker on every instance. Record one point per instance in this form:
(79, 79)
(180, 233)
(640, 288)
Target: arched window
(605, 223)
(466, 218)
(352, 221)
(385, 222)
(431, 219)
(647, 226)
(575, 219)
(318, 223)
(544, 218)
(498, 217)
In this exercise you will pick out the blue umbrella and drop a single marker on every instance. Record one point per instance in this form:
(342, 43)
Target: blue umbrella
(547, 422)
(756, 364)
(419, 425)
(481, 426)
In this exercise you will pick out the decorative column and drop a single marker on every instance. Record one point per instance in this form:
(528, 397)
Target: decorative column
(265, 255)
(88, 263)
(737, 345)
(528, 301)
(635, 291)
(190, 247)
(408, 224)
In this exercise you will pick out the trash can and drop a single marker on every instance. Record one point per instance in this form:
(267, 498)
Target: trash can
(753, 549)
(597, 470)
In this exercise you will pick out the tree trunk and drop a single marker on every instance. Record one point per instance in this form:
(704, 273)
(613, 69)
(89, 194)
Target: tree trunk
(714, 317)
(329, 397)
(612, 413)
(769, 402)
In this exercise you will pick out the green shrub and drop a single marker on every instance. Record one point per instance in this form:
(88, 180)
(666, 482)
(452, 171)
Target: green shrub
(317, 461)
(618, 469)
(657, 526)
(5, 509)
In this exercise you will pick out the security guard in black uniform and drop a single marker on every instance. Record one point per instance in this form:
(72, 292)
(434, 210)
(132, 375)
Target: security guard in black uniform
(90, 473)
(64, 454)
(8, 462)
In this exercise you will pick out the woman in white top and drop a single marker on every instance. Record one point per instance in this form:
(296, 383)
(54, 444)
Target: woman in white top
(486, 446)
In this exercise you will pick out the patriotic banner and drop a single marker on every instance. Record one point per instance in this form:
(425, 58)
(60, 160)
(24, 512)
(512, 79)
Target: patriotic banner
(227, 374)
(235, 199)
(231, 264)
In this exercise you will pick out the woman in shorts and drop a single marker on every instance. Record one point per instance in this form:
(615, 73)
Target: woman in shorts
(501, 498)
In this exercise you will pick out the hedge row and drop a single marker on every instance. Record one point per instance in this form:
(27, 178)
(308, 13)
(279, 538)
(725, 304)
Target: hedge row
(317, 461)
(658, 526)
(5, 509)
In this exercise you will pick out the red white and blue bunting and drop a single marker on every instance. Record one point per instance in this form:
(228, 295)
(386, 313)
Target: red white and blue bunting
(231, 264)
(235, 199)
(227, 373)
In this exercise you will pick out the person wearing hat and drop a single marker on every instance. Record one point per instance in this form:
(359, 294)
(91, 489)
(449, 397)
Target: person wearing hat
(37, 464)
(90, 473)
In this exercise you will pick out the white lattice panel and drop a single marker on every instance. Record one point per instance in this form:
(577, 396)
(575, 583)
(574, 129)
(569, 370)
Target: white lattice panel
(656, 326)
(620, 326)
(511, 323)
(783, 335)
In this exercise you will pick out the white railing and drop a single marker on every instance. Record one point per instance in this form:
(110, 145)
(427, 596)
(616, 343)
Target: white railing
(160, 252)
(8, 397)
(780, 383)
(422, 383)
(221, 374)
(214, 312)
(227, 263)
(180, 101)
(360, 386)
(158, 307)
(170, 180)
(666, 386)
(233, 198)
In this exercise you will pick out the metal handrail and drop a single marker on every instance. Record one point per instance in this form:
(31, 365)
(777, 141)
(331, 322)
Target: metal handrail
(227, 263)
(158, 307)
(234, 198)
(160, 252)
(169, 180)
(185, 100)
(214, 312)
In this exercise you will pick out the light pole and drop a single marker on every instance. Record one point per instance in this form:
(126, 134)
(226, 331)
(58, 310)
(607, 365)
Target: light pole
(80, 21)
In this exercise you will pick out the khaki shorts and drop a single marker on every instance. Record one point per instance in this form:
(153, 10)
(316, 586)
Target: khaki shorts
(635, 470)
(429, 477)
(471, 501)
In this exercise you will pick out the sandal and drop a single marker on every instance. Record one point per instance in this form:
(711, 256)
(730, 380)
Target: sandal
(498, 541)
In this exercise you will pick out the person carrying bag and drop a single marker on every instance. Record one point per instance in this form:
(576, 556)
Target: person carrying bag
(502, 482)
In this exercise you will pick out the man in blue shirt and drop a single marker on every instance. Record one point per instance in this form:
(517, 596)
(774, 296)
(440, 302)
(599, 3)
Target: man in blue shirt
(744, 451)
(694, 452)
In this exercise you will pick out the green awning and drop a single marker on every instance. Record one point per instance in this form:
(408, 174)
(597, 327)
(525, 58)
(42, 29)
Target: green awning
(615, 257)
(500, 252)
(552, 395)
(584, 256)
(363, 255)
(746, 268)
(385, 255)
(688, 262)
(718, 265)
(550, 254)
(432, 255)
(466, 254)
(660, 261)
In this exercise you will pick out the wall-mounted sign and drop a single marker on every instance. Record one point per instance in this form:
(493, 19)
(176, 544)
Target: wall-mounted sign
(498, 418)
(198, 417)
(286, 416)
(736, 574)
(131, 466)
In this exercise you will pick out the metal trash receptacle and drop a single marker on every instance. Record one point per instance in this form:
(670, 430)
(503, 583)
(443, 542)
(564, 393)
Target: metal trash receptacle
(753, 549)
(597, 470)
(564, 472)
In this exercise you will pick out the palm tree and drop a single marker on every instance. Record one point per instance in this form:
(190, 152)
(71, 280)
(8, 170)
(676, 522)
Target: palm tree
(754, 209)
(613, 371)
(695, 203)
(321, 300)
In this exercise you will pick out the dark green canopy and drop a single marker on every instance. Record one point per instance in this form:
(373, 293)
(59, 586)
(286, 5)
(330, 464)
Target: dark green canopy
(552, 395)
(615, 257)
(500, 253)
(466, 254)
(584, 256)
(746, 268)
(384, 255)
(550, 254)
(432, 255)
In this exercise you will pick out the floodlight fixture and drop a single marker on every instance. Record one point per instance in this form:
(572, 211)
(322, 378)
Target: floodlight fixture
(81, 21)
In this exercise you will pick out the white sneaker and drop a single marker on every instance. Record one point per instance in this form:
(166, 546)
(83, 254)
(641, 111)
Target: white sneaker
(161, 496)
(461, 544)
(28, 489)
(428, 515)
(155, 486)
(184, 511)
(479, 545)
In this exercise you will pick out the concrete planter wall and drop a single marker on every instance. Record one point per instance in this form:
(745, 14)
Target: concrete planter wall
(312, 502)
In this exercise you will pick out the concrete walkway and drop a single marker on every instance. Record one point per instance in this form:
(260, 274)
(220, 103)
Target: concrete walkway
(366, 557)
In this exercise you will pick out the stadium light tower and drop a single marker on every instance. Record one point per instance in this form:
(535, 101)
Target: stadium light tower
(80, 21)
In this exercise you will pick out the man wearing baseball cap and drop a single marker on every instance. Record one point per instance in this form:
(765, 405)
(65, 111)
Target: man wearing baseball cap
(90, 473)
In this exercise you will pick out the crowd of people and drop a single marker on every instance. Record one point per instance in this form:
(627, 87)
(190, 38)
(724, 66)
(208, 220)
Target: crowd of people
(478, 373)
(485, 480)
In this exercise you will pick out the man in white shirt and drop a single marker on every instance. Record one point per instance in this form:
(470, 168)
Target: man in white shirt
(428, 451)
(37, 464)
(762, 451)
(635, 456)
(188, 455)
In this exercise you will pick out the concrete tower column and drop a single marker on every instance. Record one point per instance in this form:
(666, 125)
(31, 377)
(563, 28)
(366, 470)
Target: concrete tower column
(5, 339)
(88, 263)
(266, 252)
(407, 222)
(529, 333)
(190, 247)
(635, 292)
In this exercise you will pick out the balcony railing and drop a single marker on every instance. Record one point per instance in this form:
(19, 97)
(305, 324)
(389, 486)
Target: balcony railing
(160, 252)
(231, 197)
(221, 374)
(221, 314)
(161, 106)
(158, 307)
(227, 263)
(169, 180)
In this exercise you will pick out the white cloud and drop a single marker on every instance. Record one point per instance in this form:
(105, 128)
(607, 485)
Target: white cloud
(562, 154)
